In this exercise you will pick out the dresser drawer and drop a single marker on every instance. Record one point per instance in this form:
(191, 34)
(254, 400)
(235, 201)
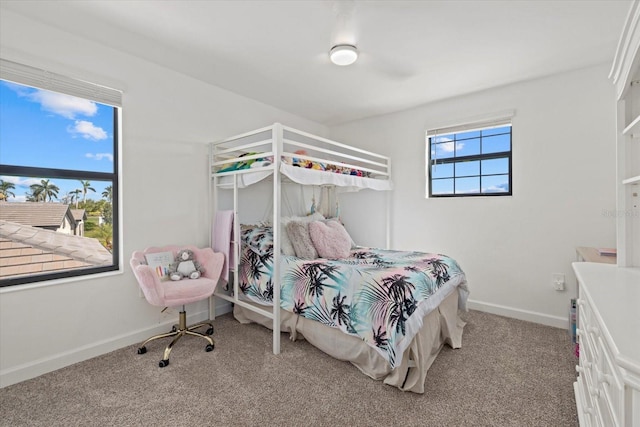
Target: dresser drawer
(603, 412)
(610, 382)
(584, 404)
(584, 312)
(589, 357)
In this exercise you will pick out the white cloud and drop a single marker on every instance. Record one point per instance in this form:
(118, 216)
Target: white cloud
(446, 145)
(19, 181)
(500, 188)
(87, 130)
(100, 156)
(64, 105)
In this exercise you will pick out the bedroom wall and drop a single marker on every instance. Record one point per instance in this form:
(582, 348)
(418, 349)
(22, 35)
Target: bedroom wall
(167, 120)
(563, 190)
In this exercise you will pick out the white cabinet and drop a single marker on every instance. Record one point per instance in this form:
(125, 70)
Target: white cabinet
(608, 326)
(608, 385)
(625, 74)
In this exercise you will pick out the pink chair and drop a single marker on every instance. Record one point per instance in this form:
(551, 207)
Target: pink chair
(170, 293)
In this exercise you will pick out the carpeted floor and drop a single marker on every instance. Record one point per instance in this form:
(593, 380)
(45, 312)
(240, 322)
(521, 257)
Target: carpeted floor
(508, 373)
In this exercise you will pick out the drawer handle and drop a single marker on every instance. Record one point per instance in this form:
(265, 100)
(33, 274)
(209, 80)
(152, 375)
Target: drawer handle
(604, 378)
(594, 391)
(593, 330)
(578, 332)
(580, 302)
(579, 369)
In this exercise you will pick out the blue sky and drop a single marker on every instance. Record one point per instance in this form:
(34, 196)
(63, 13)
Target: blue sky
(46, 129)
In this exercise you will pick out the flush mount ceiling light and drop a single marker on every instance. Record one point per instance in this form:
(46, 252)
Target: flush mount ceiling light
(343, 54)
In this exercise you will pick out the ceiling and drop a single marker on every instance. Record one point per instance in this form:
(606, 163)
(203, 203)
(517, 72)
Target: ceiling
(411, 52)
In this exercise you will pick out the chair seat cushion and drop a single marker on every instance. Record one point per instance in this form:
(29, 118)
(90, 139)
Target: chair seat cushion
(186, 291)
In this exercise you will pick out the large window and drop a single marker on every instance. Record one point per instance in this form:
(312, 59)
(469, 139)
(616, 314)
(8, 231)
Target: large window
(470, 160)
(59, 176)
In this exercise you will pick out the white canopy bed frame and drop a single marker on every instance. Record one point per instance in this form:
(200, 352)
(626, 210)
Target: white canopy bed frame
(278, 142)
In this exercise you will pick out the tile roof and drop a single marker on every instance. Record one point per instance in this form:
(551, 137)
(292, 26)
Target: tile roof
(37, 214)
(30, 250)
(79, 214)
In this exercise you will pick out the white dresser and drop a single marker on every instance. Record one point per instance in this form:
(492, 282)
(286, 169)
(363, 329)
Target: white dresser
(608, 384)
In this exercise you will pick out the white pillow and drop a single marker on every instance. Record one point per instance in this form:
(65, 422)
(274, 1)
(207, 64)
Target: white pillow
(286, 247)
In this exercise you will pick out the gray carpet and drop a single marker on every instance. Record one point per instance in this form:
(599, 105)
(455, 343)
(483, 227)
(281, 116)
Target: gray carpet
(508, 373)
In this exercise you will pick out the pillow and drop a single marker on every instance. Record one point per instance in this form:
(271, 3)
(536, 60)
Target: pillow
(353, 243)
(286, 247)
(330, 239)
(299, 235)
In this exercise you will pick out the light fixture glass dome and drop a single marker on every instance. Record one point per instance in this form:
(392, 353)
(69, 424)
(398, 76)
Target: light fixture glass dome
(343, 54)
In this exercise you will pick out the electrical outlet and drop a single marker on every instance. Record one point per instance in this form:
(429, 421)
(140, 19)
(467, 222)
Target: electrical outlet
(558, 281)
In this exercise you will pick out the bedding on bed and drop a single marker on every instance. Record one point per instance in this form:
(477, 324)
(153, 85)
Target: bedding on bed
(294, 161)
(380, 296)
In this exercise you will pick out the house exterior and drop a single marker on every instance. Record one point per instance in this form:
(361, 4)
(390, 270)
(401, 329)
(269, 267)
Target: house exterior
(80, 216)
(56, 217)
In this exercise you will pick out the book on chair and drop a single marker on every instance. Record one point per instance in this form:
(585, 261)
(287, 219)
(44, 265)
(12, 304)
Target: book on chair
(160, 262)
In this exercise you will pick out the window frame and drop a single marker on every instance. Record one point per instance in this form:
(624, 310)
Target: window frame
(465, 128)
(40, 79)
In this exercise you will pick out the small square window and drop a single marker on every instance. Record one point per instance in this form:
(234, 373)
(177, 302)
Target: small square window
(470, 162)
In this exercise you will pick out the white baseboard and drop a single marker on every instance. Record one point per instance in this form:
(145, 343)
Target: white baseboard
(39, 367)
(515, 313)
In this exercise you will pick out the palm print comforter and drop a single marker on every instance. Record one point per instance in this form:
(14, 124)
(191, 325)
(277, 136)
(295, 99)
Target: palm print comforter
(380, 296)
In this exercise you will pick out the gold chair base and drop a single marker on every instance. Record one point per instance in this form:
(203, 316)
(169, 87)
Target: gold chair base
(178, 331)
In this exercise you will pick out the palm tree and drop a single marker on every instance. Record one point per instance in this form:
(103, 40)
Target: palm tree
(44, 190)
(29, 197)
(398, 287)
(75, 194)
(5, 188)
(340, 310)
(108, 193)
(86, 186)
(439, 269)
(380, 337)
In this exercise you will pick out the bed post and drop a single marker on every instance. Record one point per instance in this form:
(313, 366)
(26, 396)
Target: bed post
(388, 207)
(212, 209)
(277, 135)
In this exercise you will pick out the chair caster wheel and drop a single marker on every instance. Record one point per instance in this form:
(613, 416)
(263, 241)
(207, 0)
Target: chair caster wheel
(174, 328)
(209, 347)
(210, 331)
(163, 363)
(142, 350)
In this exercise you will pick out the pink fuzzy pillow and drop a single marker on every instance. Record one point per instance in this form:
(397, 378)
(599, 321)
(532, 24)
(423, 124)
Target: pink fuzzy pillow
(330, 239)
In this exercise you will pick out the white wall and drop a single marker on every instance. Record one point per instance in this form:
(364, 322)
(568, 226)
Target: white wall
(167, 119)
(563, 182)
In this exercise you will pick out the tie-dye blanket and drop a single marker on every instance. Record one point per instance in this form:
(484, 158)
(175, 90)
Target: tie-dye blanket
(380, 296)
